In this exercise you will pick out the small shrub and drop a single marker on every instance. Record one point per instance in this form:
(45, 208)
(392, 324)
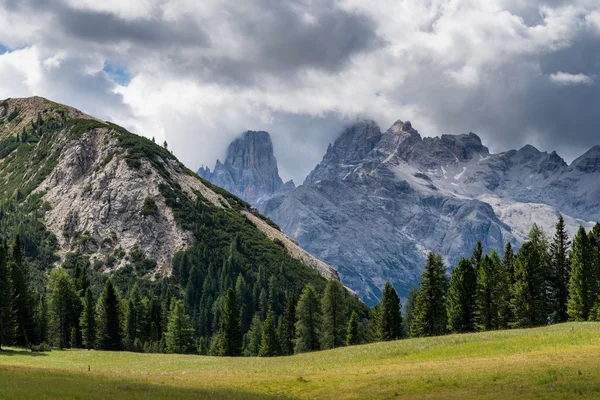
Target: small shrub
(149, 207)
(41, 348)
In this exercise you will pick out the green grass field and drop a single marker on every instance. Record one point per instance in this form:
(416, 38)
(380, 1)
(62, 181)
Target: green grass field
(557, 362)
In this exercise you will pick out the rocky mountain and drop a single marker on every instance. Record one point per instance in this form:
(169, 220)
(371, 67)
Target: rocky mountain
(379, 201)
(73, 184)
(249, 170)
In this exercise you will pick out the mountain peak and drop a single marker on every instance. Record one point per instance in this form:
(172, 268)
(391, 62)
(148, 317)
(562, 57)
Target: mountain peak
(350, 148)
(589, 161)
(250, 168)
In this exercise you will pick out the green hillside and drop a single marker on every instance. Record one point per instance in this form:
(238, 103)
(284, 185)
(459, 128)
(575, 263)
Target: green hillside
(555, 362)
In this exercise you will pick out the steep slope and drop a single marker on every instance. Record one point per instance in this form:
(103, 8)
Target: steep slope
(250, 169)
(96, 189)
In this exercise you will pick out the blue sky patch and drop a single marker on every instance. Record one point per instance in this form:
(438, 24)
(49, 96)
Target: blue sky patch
(3, 49)
(117, 74)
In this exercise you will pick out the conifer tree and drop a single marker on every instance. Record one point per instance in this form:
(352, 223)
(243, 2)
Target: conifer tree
(594, 239)
(582, 281)
(80, 277)
(488, 296)
(64, 307)
(410, 308)
(73, 341)
(529, 290)
(268, 344)
(134, 317)
(288, 326)
(461, 297)
(23, 299)
(179, 335)
(230, 333)
(41, 320)
(333, 311)
(352, 333)
(87, 322)
(109, 335)
(308, 324)
(263, 303)
(243, 295)
(508, 264)
(390, 325)
(166, 309)
(430, 316)
(559, 273)
(477, 255)
(8, 324)
(253, 337)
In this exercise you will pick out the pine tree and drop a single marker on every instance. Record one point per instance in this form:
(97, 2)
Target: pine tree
(64, 307)
(488, 295)
(411, 299)
(109, 335)
(8, 324)
(80, 277)
(41, 320)
(508, 264)
(73, 340)
(87, 322)
(430, 316)
(288, 326)
(263, 303)
(243, 295)
(166, 309)
(253, 337)
(390, 321)
(333, 311)
(134, 318)
(594, 239)
(529, 290)
(268, 345)
(179, 336)
(230, 333)
(559, 273)
(23, 299)
(461, 297)
(308, 315)
(477, 255)
(582, 280)
(352, 333)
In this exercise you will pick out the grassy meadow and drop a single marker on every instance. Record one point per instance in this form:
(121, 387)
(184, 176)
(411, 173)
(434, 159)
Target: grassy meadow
(555, 362)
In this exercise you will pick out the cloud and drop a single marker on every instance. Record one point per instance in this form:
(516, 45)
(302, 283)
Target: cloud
(199, 73)
(564, 78)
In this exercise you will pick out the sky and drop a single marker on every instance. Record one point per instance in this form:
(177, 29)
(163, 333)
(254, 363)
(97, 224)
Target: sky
(197, 74)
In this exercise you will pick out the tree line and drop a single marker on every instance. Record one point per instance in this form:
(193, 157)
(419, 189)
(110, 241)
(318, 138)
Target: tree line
(545, 281)
(549, 280)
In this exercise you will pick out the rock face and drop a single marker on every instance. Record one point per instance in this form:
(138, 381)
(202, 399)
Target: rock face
(379, 201)
(250, 169)
(103, 188)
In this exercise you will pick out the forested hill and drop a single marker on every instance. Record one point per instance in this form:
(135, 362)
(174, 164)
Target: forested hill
(101, 202)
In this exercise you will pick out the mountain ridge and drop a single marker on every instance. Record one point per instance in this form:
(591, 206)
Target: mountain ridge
(379, 201)
(118, 198)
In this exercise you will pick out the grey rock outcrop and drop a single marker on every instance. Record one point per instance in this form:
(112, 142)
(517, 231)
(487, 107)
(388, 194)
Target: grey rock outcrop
(249, 170)
(378, 202)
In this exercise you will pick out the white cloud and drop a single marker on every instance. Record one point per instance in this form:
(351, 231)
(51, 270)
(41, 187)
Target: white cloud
(564, 78)
(202, 72)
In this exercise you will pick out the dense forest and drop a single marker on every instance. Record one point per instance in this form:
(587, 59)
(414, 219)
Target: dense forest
(546, 281)
(234, 291)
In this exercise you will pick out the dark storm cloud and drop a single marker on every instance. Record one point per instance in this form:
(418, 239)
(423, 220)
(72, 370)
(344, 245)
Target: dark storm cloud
(106, 28)
(515, 77)
(109, 28)
(278, 38)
